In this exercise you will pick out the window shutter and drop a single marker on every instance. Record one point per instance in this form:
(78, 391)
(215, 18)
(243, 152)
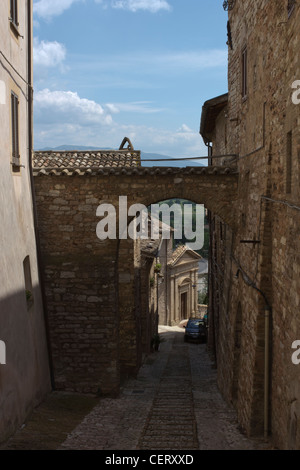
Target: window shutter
(15, 129)
(14, 12)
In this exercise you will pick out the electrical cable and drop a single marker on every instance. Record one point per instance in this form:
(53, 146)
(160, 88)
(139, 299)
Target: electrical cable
(292, 206)
(15, 70)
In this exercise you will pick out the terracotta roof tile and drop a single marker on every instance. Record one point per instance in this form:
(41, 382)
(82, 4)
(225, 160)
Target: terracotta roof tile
(72, 160)
(180, 250)
(47, 165)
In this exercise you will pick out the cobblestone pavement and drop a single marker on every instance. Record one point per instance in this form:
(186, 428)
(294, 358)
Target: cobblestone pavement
(171, 422)
(174, 403)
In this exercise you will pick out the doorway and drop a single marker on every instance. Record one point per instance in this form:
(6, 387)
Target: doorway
(183, 306)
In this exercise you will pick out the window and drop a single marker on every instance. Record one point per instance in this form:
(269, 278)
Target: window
(291, 6)
(14, 12)
(289, 151)
(244, 73)
(15, 131)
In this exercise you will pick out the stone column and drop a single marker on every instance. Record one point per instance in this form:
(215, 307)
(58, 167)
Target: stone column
(196, 290)
(191, 295)
(172, 306)
(176, 300)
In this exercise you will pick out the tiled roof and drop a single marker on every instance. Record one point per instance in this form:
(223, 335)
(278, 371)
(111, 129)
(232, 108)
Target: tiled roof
(87, 160)
(179, 252)
(42, 166)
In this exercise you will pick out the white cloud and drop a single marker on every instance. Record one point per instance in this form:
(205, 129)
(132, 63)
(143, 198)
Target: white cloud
(184, 129)
(149, 64)
(48, 54)
(63, 118)
(191, 60)
(152, 6)
(61, 108)
(143, 107)
(47, 9)
(164, 141)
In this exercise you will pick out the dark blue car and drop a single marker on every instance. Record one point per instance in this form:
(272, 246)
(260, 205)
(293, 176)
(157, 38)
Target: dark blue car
(195, 330)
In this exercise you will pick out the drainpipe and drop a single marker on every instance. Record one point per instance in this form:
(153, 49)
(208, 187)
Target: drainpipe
(266, 371)
(267, 314)
(30, 152)
(157, 304)
(209, 152)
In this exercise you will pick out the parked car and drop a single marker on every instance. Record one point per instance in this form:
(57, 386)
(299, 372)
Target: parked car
(195, 330)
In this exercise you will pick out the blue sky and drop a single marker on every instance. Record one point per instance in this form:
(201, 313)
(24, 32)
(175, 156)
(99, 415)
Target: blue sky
(106, 69)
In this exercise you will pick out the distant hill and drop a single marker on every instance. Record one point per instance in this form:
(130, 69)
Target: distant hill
(72, 147)
(144, 156)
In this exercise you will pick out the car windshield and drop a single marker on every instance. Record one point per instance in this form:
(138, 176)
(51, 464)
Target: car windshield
(194, 323)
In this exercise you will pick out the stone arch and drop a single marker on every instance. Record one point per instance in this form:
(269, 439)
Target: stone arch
(84, 270)
(125, 141)
(131, 337)
(187, 280)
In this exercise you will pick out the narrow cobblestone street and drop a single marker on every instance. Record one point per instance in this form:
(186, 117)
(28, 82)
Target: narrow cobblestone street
(173, 404)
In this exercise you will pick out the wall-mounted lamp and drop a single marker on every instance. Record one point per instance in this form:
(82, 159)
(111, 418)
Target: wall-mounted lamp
(228, 5)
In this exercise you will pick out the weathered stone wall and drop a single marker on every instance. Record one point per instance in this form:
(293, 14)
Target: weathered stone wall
(162, 278)
(81, 288)
(267, 212)
(148, 305)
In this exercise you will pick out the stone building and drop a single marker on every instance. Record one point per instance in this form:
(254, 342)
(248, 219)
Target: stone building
(170, 292)
(25, 377)
(173, 293)
(255, 263)
(182, 278)
(149, 297)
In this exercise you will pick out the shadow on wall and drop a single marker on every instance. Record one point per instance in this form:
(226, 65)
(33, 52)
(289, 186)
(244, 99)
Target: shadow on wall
(25, 376)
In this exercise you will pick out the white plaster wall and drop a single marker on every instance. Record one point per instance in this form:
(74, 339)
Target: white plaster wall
(24, 379)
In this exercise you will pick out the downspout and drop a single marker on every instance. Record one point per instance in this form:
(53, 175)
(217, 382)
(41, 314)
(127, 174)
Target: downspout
(210, 317)
(30, 152)
(266, 372)
(209, 152)
(267, 315)
(157, 314)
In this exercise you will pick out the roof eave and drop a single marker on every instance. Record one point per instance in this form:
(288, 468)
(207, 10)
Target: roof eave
(210, 110)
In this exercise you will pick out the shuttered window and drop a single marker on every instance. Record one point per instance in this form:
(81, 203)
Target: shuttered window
(15, 130)
(14, 12)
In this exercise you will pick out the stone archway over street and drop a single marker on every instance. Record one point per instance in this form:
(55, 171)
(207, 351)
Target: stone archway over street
(93, 306)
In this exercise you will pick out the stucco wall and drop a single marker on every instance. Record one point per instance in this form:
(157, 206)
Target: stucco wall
(25, 378)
